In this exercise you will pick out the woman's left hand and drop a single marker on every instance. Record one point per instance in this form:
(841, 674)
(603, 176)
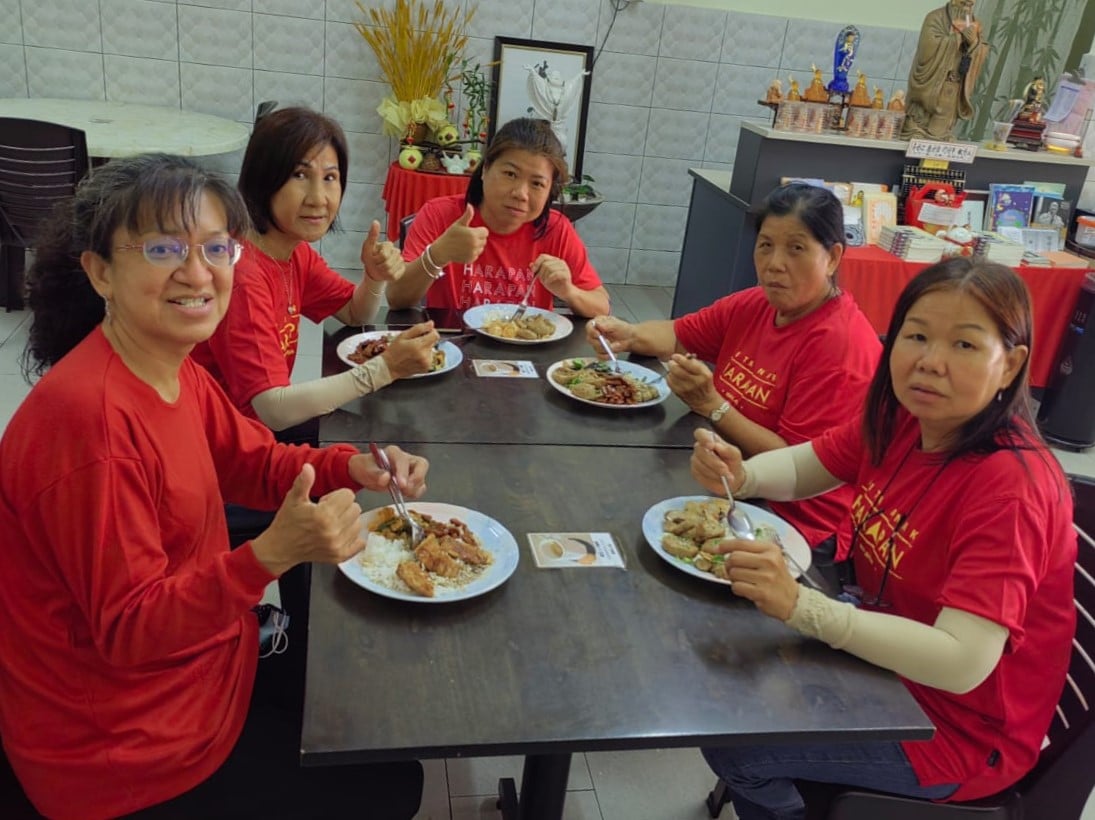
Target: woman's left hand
(408, 472)
(692, 381)
(758, 571)
(554, 274)
(382, 260)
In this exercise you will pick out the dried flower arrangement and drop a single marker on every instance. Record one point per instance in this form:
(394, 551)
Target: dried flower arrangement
(416, 46)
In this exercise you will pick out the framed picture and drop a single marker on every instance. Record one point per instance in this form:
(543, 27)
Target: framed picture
(547, 81)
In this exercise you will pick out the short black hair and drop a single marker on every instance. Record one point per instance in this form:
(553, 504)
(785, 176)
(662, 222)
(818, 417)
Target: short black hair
(281, 140)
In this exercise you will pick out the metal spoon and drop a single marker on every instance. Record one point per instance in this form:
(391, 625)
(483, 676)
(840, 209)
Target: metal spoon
(606, 346)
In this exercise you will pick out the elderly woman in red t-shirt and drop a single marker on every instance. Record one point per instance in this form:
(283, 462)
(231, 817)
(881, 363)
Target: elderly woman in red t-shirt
(963, 551)
(792, 356)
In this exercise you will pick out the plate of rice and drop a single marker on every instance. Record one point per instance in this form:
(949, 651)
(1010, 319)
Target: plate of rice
(536, 327)
(482, 555)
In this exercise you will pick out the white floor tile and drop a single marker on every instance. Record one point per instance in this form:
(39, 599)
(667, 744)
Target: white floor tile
(480, 775)
(1082, 463)
(10, 322)
(669, 784)
(580, 805)
(435, 792)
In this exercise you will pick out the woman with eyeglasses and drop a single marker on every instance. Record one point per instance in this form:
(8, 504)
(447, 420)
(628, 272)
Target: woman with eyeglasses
(129, 648)
(293, 178)
(963, 551)
(791, 357)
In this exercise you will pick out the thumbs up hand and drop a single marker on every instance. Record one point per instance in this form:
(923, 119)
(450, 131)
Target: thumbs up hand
(382, 260)
(460, 242)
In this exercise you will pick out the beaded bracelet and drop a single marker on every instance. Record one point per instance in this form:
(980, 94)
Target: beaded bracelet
(427, 263)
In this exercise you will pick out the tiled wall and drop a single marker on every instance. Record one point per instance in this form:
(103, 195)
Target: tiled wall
(670, 88)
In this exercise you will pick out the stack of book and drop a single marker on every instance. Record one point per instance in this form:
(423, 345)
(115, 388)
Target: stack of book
(997, 248)
(911, 244)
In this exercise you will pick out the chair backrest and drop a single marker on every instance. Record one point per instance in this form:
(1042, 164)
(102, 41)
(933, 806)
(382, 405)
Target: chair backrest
(405, 228)
(264, 108)
(40, 164)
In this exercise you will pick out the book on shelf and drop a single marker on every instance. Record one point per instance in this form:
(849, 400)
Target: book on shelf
(1009, 206)
(911, 244)
(879, 210)
(1052, 212)
(996, 247)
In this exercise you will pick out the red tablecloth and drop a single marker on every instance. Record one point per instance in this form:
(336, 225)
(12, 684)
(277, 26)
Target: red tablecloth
(406, 191)
(875, 278)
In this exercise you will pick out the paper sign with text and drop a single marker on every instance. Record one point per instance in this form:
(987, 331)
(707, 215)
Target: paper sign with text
(950, 151)
(505, 368)
(556, 550)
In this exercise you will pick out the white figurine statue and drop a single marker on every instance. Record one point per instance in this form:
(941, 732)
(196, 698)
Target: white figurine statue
(553, 97)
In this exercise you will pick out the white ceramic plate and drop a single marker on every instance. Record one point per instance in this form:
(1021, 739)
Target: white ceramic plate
(495, 539)
(478, 316)
(638, 371)
(792, 539)
(453, 354)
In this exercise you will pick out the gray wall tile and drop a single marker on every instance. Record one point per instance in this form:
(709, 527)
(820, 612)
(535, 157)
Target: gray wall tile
(809, 42)
(354, 102)
(879, 54)
(80, 30)
(343, 250)
(738, 88)
(13, 71)
(220, 90)
(723, 131)
(236, 5)
(289, 89)
(627, 79)
(616, 176)
(213, 36)
(653, 268)
(565, 21)
(693, 33)
(610, 263)
(637, 29)
(141, 80)
(360, 206)
(369, 157)
(72, 75)
(504, 18)
(11, 22)
(676, 134)
(616, 129)
(140, 28)
(348, 55)
(665, 181)
(686, 85)
(610, 225)
(296, 8)
(753, 39)
(288, 44)
(659, 227)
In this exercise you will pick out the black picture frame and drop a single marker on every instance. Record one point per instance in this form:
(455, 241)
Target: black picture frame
(511, 97)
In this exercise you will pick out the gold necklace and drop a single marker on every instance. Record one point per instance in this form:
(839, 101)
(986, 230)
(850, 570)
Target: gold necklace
(286, 268)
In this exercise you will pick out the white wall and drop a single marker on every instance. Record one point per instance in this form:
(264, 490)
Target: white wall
(908, 14)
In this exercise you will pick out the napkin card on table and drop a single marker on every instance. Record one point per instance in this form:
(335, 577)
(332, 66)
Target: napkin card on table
(557, 550)
(505, 368)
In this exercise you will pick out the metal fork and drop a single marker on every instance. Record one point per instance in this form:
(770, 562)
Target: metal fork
(381, 458)
(607, 347)
(523, 306)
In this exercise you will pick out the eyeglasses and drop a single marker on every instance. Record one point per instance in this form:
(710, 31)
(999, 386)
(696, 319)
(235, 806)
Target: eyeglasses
(172, 252)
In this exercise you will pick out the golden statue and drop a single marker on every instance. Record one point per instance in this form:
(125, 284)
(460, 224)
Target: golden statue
(816, 92)
(793, 94)
(878, 101)
(860, 97)
(897, 101)
(775, 92)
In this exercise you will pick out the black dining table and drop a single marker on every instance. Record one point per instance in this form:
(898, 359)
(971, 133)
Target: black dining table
(461, 407)
(557, 661)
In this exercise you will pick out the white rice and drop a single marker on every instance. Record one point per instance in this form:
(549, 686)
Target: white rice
(382, 556)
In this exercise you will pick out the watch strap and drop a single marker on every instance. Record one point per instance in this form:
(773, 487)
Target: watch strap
(719, 411)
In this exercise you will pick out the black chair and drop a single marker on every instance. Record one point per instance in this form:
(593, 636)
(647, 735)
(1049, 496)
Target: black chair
(404, 229)
(1061, 781)
(264, 108)
(40, 164)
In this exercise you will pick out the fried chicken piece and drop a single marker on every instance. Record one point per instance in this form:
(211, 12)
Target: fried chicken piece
(435, 558)
(680, 547)
(411, 574)
(468, 553)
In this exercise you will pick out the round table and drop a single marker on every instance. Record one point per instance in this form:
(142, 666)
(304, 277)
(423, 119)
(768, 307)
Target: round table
(115, 129)
(407, 191)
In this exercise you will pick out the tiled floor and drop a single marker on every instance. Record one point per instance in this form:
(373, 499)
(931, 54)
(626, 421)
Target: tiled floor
(646, 785)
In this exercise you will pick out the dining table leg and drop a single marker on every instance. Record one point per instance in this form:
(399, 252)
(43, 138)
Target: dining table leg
(543, 789)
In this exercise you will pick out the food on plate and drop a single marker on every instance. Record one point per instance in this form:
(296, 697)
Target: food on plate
(374, 347)
(447, 559)
(690, 533)
(529, 328)
(598, 381)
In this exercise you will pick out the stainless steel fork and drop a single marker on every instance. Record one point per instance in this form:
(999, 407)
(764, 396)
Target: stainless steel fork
(523, 306)
(382, 460)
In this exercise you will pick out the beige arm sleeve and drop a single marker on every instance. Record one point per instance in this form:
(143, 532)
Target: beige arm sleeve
(954, 654)
(786, 474)
(282, 407)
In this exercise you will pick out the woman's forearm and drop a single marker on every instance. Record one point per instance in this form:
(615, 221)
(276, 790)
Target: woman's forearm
(281, 407)
(410, 289)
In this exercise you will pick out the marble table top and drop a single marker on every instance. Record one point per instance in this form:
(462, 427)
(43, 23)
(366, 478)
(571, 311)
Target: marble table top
(116, 129)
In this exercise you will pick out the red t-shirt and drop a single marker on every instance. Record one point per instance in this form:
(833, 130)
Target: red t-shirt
(990, 535)
(503, 270)
(255, 346)
(797, 381)
(128, 647)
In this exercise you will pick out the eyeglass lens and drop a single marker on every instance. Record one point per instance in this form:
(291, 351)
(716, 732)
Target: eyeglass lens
(167, 250)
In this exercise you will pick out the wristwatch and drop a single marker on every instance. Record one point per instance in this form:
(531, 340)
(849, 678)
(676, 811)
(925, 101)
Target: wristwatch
(719, 411)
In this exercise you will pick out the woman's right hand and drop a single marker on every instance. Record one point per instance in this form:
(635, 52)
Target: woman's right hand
(460, 242)
(411, 352)
(712, 458)
(327, 531)
(618, 333)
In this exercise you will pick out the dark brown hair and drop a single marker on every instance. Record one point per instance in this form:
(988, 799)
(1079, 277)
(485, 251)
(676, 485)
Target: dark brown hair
(815, 207)
(280, 141)
(1004, 424)
(536, 137)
